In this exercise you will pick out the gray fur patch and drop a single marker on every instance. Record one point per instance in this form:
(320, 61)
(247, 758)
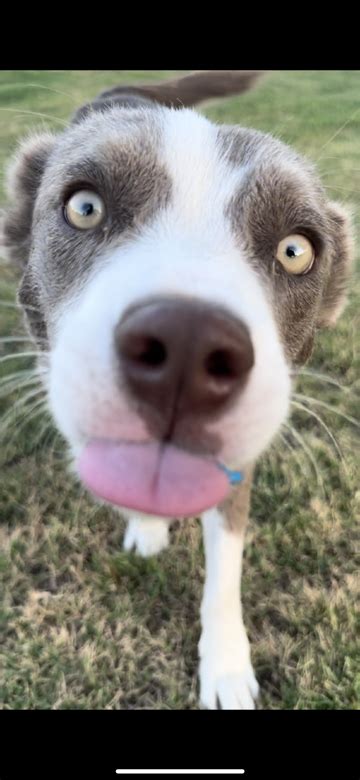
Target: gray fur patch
(118, 158)
(281, 195)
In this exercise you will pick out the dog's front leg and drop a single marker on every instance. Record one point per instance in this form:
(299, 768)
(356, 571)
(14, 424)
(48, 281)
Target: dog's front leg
(146, 535)
(227, 679)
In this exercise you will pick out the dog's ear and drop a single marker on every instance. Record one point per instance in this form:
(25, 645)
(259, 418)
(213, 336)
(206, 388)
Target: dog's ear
(23, 178)
(184, 91)
(335, 293)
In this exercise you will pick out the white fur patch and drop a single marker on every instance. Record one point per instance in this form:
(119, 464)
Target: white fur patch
(188, 250)
(147, 536)
(226, 674)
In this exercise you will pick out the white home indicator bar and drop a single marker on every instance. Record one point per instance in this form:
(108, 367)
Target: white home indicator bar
(183, 772)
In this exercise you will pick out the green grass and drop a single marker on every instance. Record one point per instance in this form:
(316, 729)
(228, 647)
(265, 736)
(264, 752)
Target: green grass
(84, 625)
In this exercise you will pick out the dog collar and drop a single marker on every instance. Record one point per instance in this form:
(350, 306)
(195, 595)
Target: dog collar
(234, 477)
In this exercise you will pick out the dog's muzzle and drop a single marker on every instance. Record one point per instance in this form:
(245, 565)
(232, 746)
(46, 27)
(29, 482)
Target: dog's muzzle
(182, 363)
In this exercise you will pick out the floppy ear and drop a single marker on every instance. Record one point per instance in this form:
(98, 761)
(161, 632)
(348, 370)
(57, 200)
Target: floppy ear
(22, 183)
(23, 179)
(335, 293)
(184, 91)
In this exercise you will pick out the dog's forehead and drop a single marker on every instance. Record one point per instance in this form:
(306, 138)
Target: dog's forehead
(190, 148)
(105, 140)
(129, 127)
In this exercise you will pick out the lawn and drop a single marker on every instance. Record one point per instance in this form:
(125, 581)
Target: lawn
(84, 625)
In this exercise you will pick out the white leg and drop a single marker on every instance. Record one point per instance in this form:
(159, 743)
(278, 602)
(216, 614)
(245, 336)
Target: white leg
(226, 676)
(147, 535)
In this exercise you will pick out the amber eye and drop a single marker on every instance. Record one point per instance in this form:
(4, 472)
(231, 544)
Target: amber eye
(296, 254)
(84, 210)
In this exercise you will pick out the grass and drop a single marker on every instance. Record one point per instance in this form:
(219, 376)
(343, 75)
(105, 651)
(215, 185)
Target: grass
(84, 625)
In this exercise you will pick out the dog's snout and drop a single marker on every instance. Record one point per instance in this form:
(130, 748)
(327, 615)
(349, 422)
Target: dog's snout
(184, 354)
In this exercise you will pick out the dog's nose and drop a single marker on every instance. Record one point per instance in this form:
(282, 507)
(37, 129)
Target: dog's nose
(183, 355)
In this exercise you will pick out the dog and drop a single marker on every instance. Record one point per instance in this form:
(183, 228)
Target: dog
(175, 273)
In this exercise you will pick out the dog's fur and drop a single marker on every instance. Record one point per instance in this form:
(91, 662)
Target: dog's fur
(194, 210)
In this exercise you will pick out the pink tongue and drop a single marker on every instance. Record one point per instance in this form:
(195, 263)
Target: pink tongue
(152, 479)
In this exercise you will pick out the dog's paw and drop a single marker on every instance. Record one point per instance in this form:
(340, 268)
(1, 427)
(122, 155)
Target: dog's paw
(147, 537)
(236, 691)
(227, 679)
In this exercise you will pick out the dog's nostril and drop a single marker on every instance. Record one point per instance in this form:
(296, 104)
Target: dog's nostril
(220, 364)
(149, 352)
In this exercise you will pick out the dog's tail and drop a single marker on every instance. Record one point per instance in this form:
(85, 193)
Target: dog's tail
(179, 92)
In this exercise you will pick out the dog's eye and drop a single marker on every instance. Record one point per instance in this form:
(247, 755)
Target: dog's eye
(296, 254)
(84, 210)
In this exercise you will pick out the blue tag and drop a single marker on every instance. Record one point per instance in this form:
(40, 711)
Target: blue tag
(234, 477)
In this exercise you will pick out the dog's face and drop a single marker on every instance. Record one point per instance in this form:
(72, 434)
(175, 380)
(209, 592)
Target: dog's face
(175, 273)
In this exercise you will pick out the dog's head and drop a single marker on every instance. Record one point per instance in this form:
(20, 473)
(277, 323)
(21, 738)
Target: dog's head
(175, 271)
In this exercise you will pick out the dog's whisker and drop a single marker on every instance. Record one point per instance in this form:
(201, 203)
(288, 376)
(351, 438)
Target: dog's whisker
(15, 425)
(335, 135)
(304, 464)
(24, 399)
(324, 378)
(333, 157)
(343, 189)
(35, 370)
(279, 128)
(14, 305)
(308, 452)
(295, 454)
(329, 407)
(7, 388)
(6, 385)
(48, 426)
(43, 436)
(337, 170)
(311, 413)
(12, 413)
(35, 113)
(37, 410)
(25, 418)
(11, 387)
(55, 437)
(15, 339)
(18, 355)
(268, 456)
(42, 86)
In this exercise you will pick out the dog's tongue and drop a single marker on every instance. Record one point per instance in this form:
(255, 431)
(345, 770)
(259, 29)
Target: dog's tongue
(152, 479)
